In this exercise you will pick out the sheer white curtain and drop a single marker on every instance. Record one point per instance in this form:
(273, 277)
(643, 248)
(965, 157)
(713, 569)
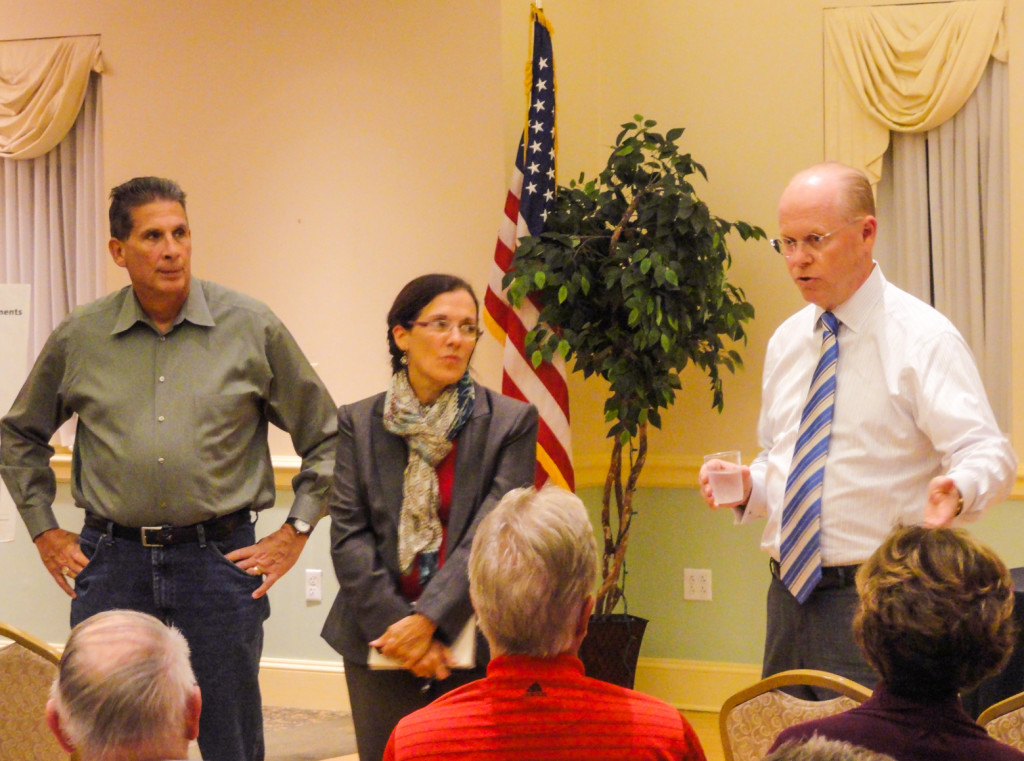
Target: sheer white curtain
(929, 76)
(52, 210)
(944, 225)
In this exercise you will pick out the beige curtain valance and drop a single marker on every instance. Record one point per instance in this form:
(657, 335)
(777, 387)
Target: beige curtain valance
(42, 86)
(903, 68)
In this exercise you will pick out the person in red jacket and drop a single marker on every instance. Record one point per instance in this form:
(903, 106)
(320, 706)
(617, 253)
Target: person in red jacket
(532, 568)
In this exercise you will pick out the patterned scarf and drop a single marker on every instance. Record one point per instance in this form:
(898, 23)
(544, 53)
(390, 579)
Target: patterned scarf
(429, 431)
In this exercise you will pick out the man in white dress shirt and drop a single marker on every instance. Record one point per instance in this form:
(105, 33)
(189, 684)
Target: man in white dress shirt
(913, 438)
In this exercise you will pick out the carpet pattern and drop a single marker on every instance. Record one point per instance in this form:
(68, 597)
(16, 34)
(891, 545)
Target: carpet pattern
(296, 734)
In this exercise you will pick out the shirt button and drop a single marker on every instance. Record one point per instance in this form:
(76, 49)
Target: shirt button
(161, 379)
(161, 418)
(160, 460)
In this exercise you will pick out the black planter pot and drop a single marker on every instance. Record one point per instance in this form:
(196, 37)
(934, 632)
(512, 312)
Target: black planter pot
(612, 646)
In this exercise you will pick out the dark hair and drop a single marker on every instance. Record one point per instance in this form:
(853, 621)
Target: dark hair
(412, 299)
(138, 192)
(936, 612)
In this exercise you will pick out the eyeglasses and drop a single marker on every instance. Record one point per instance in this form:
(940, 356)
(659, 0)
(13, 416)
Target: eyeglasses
(442, 327)
(814, 242)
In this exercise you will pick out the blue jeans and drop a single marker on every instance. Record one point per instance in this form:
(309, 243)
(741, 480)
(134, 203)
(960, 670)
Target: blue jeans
(209, 599)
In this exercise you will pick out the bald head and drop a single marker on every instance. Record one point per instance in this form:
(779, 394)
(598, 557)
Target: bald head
(125, 688)
(851, 187)
(827, 225)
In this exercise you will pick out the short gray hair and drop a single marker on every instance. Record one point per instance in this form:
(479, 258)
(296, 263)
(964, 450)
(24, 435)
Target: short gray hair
(531, 568)
(125, 681)
(818, 748)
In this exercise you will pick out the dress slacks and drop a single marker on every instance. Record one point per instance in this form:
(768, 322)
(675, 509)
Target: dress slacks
(380, 698)
(815, 635)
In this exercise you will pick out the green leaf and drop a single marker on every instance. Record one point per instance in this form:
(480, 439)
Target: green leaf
(537, 358)
(661, 298)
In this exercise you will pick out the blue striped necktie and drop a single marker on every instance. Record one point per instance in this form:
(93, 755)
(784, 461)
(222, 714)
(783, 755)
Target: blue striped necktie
(800, 553)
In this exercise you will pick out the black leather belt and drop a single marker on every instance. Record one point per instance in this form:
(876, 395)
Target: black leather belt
(832, 576)
(215, 529)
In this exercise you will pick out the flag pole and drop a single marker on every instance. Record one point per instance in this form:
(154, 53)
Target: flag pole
(530, 197)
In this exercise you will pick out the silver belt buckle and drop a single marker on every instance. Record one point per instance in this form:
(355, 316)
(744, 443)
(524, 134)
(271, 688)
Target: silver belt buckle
(143, 536)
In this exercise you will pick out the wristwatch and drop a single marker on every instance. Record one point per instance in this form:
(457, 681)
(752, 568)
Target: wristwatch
(302, 528)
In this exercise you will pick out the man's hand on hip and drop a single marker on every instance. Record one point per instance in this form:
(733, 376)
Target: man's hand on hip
(272, 557)
(62, 556)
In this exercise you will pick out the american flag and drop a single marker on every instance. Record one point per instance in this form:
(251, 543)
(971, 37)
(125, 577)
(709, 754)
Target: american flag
(531, 195)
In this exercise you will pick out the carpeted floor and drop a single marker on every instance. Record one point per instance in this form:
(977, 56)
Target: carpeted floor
(295, 734)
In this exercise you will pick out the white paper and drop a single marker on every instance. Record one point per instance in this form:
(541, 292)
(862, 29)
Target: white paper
(463, 651)
(14, 304)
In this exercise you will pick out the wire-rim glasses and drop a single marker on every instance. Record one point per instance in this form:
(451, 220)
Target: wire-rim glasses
(442, 327)
(815, 242)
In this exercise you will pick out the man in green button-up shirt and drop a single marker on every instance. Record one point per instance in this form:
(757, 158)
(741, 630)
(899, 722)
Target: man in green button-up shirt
(174, 381)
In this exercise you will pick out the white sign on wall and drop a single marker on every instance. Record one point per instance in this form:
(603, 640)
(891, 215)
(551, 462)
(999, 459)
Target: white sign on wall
(14, 304)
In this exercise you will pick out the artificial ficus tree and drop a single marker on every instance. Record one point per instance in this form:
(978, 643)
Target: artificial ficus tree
(630, 278)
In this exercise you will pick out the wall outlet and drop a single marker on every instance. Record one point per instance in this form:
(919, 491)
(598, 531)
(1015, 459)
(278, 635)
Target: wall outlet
(314, 585)
(697, 584)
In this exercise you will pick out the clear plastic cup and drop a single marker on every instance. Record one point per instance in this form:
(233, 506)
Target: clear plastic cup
(725, 476)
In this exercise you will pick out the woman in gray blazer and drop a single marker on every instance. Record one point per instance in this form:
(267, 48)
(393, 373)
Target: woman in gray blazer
(417, 468)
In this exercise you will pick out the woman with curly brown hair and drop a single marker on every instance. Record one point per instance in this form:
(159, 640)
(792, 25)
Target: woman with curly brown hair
(935, 617)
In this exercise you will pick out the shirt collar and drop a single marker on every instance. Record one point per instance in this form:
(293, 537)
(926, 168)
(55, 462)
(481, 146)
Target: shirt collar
(195, 310)
(854, 312)
(520, 665)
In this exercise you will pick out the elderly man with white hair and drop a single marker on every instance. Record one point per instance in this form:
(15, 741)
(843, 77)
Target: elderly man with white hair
(531, 576)
(125, 691)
